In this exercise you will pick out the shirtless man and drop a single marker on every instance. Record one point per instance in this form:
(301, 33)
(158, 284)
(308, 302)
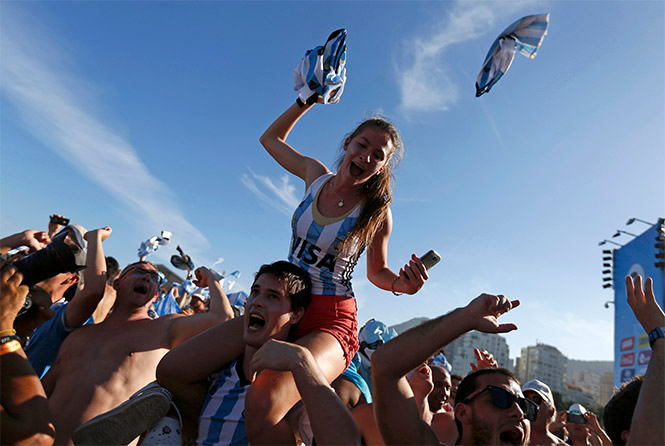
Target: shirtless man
(100, 366)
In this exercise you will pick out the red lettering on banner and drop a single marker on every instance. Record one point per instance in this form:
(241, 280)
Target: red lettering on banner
(627, 359)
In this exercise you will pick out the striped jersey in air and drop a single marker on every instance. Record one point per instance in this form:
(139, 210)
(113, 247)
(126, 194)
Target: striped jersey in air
(316, 241)
(222, 418)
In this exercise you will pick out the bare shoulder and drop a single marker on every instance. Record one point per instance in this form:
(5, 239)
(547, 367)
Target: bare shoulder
(169, 318)
(315, 169)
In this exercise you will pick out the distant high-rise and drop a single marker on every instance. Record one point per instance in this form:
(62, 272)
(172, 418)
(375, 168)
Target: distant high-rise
(460, 352)
(606, 387)
(543, 362)
(588, 381)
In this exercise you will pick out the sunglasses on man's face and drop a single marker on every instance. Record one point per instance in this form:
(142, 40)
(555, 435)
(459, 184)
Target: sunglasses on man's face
(504, 399)
(536, 399)
(154, 275)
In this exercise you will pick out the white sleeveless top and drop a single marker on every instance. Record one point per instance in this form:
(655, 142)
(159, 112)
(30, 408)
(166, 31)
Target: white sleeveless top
(316, 242)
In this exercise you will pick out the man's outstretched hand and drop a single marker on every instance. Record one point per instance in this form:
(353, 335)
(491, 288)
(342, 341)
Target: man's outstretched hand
(12, 294)
(484, 311)
(643, 303)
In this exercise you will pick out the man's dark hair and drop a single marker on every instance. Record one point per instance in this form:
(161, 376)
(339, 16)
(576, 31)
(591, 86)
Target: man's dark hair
(469, 384)
(298, 283)
(618, 412)
(112, 267)
(457, 377)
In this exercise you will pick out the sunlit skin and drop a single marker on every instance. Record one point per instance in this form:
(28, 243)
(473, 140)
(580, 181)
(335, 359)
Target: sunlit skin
(268, 312)
(365, 155)
(99, 366)
(138, 285)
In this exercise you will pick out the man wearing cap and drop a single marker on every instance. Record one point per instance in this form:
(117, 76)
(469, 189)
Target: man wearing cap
(576, 425)
(582, 426)
(540, 394)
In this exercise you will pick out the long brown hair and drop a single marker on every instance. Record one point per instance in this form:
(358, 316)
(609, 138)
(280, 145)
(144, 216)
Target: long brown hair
(378, 189)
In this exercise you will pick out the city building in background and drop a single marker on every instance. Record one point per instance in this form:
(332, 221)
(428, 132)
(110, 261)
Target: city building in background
(545, 363)
(578, 395)
(606, 387)
(460, 352)
(587, 381)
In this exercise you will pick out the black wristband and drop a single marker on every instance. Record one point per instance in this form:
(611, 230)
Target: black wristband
(300, 103)
(6, 339)
(313, 99)
(654, 334)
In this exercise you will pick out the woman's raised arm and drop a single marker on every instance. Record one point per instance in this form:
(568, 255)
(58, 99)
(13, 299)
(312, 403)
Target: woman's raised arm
(274, 141)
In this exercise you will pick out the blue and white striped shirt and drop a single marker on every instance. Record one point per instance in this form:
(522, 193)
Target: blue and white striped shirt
(222, 418)
(316, 242)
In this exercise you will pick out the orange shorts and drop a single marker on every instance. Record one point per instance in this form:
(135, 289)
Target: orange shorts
(336, 315)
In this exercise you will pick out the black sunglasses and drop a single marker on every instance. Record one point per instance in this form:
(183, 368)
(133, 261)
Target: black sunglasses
(536, 399)
(503, 399)
(154, 275)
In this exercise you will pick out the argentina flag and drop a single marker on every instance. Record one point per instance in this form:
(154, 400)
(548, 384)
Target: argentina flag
(525, 35)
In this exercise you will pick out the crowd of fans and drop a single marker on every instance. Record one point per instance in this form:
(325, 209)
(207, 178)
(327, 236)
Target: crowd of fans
(92, 353)
(88, 357)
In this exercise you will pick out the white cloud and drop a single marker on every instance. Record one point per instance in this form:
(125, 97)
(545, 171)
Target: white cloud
(279, 194)
(59, 114)
(428, 85)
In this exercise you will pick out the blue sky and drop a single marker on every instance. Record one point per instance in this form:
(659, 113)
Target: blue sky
(146, 116)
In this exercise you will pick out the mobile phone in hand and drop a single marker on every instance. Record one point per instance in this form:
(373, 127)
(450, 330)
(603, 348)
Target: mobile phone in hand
(59, 220)
(430, 258)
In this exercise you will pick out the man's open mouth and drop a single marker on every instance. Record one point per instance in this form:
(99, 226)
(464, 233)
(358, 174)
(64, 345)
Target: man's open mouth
(256, 322)
(513, 436)
(141, 289)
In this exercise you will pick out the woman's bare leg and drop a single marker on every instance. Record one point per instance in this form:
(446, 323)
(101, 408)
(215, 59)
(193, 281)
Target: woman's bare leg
(272, 395)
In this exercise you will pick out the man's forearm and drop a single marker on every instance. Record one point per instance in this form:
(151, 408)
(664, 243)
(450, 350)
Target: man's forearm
(85, 302)
(10, 242)
(203, 354)
(648, 424)
(219, 302)
(331, 421)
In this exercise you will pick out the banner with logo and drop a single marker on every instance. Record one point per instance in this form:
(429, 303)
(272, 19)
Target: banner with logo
(631, 345)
